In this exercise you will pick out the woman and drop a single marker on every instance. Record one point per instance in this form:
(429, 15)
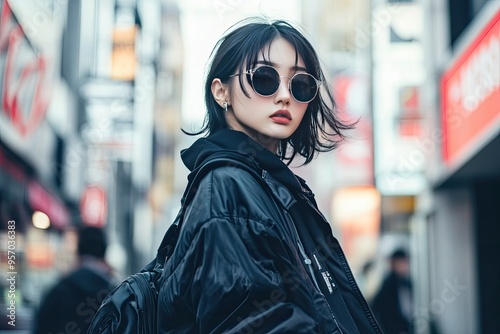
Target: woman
(254, 254)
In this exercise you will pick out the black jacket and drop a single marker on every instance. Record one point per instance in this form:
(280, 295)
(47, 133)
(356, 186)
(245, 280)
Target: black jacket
(256, 256)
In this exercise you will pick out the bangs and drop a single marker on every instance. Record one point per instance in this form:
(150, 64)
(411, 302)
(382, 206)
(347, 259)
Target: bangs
(259, 44)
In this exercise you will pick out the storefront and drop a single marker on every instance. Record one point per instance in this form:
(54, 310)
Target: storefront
(458, 222)
(34, 214)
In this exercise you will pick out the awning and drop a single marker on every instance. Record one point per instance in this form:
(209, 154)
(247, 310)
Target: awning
(19, 183)
(40, 199)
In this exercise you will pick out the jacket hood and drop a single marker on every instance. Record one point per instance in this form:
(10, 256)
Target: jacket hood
(237, 142)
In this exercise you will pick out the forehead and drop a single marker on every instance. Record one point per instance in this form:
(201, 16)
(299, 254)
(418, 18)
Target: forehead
(280, 52)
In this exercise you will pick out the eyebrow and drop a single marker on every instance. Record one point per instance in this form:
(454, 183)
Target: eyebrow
(267, 62)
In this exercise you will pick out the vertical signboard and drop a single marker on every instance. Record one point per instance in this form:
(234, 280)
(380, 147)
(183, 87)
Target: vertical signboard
(94, 206)
(123, 57)
(398, 74)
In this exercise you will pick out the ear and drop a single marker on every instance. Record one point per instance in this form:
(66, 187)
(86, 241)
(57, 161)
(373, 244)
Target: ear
(220, 92)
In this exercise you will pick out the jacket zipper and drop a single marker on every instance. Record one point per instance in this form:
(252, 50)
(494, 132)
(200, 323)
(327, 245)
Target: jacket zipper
(308, 263)
(350, 277)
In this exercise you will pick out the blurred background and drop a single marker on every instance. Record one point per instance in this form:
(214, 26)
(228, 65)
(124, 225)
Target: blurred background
(94, 93)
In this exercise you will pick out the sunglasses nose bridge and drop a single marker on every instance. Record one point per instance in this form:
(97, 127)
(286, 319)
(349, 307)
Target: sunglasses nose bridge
(286, 85)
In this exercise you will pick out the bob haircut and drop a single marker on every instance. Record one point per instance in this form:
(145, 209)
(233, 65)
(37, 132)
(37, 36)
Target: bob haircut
(319, 131)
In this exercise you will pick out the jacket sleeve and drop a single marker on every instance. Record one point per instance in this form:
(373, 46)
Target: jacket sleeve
(224, 281)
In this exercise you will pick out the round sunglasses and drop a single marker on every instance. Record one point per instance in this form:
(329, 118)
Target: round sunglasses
(265, 81)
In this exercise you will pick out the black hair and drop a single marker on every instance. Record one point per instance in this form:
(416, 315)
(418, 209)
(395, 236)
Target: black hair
(399, 253)
(92, 242)
(320, 130)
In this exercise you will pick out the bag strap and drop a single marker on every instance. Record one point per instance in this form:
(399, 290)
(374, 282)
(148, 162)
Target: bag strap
(215, 160)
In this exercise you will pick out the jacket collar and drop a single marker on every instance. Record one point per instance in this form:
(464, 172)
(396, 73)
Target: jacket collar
(239, 143)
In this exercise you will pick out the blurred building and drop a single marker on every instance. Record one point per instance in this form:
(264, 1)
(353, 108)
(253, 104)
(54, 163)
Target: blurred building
(456, 226)
(126, 74)
(90, 97)
(435, 69)
(34, 102)
(400, 122)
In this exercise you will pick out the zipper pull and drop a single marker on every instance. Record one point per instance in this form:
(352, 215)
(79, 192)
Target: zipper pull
(308, 262)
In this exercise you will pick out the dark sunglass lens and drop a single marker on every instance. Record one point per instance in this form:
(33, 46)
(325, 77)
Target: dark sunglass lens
(304, 87)
(266, 81)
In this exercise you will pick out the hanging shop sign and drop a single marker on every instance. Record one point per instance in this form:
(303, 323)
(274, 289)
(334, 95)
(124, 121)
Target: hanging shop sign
(123, 57)
(94, 206)
(24, 90)
(471, 94)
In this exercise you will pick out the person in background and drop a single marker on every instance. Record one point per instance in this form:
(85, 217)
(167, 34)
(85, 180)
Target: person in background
(254, 254)
(393, 302)
(70, 304)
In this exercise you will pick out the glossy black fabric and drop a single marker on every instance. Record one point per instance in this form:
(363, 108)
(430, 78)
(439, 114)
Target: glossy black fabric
(237, 267)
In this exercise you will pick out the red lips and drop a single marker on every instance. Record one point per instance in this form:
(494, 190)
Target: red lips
(281, 117)
(282, 114)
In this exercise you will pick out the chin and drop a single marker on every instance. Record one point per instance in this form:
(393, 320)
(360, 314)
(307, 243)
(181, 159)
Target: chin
(278, 136)
(283, 134)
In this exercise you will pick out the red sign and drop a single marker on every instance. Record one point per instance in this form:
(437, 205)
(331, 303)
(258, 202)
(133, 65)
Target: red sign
(357, 160)
(409, 119)
(471, 93)
(94, 206)
(23, 84)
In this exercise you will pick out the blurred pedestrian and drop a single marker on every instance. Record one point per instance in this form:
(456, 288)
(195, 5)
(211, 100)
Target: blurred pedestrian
(71, 303)
(255, 255)
(393, 303)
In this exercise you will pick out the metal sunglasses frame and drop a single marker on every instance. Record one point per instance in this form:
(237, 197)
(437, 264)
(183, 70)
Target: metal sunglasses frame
(253, 70)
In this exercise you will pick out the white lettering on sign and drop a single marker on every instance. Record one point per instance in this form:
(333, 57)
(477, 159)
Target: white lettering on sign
(479, 77)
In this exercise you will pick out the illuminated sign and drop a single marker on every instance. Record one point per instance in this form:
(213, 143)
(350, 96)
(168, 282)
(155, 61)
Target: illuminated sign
(123, 58)
(471, 92)
(94, 206)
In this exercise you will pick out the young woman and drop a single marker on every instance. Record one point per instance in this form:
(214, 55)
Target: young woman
(254, 254)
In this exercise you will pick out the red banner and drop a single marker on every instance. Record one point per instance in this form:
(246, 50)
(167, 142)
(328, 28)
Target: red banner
(471, 93)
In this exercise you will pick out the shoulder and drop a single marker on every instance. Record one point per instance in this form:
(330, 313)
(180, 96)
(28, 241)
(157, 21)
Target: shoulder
(231, 192)
(228, 181)
(234, 179)
(225, 190)
(60, 289)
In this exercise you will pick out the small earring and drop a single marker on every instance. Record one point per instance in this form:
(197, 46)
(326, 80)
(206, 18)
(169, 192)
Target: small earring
(225, 105)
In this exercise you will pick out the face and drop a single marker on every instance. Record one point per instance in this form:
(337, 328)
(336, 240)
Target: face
(401, 266)
(271, 118)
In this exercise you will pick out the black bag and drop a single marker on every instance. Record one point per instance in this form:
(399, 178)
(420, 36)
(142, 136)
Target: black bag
(131, 307)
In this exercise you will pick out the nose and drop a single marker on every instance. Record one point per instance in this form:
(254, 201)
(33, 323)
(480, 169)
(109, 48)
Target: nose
(283, 94)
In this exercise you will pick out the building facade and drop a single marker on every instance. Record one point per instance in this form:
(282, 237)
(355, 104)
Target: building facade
(455, 227)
